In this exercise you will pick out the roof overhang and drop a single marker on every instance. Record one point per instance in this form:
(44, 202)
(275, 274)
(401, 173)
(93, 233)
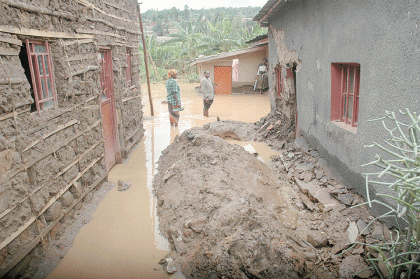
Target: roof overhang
(225, 55)
(269, 9)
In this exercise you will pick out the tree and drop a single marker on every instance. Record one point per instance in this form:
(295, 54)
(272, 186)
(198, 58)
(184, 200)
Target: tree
(186, 12)
(175, 13)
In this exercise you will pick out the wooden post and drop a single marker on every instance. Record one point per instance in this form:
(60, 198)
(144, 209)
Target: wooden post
(145, 59)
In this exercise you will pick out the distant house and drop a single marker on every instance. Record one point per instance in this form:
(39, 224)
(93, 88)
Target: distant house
(227, 76)
(343, 63)
(173, 31)
(162, 39)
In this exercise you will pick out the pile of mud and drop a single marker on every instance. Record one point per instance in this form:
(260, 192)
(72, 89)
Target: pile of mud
(219, 208)
(228, 215)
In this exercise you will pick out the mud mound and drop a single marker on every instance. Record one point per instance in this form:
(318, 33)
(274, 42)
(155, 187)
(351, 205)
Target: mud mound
(229, 129)
(219, 208)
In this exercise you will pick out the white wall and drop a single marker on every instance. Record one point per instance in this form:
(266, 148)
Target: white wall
(248, 65)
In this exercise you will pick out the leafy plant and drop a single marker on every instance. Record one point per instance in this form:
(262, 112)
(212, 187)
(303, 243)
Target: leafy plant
(193, 78)
(400, 163)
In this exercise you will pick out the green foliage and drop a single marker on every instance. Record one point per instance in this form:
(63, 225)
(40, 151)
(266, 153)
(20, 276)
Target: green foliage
(193, 77)
(401, 163)
(200, 32)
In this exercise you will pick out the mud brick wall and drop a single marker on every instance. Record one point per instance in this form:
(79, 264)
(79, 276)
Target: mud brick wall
(50, 160)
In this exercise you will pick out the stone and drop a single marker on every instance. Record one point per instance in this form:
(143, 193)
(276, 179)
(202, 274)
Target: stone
(3, 255)
(6, 161)
(53, 212)
(352, 231)
(307, 202)
(319, 174)
(172, 266)
(78, 205)
(37, 202)
(377, 232)
(17, 158)
(317, 239)
(88, 197)
(324, 273)
(336, 189)
(198, 224)
(70, 174)
(67, 199)
(317, 193)
(361, 225)
(354, 264)
(314, 153)
(347, 199)
(187, 232)
(308, 176)
(301, 143)
(76, 189)
(250, 149)
(69, 216)
(123, 185)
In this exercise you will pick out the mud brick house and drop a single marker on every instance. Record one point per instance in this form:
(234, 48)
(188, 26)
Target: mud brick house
(335, 65)
(70, 108)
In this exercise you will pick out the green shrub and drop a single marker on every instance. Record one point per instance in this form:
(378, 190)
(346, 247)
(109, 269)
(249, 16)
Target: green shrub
(401, 254)
(192, 78)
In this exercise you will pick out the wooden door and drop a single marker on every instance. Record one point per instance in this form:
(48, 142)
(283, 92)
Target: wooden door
(223, 79)
(108, 107)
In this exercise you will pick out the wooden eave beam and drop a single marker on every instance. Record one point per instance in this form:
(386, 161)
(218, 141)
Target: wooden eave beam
(261, 21)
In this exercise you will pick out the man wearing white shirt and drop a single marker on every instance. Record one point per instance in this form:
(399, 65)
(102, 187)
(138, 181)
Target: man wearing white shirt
(207, 91)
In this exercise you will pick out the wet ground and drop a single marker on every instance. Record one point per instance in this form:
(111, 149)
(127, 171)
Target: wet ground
(122, 240)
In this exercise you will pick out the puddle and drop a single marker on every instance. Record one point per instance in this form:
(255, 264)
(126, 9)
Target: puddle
(122, 239)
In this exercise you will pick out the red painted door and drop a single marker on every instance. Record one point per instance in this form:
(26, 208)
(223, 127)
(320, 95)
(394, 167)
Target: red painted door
(223, 79)
(108, 107)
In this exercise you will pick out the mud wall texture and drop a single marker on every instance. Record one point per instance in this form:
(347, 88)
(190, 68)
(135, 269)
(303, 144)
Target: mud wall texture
(51, 158)
(382, 36)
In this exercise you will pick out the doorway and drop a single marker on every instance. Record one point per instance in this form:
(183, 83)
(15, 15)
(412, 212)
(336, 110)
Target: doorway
(223, 79)
(108, 107)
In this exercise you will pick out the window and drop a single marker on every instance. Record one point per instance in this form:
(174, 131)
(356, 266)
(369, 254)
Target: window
(42, 77)
(345, 80)
(129, 76)
(281, 75)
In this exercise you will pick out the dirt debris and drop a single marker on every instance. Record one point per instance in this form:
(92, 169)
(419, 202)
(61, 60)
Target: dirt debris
(228, 215)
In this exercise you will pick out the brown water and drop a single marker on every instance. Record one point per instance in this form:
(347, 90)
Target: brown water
(122, 239)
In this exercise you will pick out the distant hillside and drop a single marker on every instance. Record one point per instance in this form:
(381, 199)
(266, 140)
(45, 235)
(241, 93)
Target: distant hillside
(161, 21)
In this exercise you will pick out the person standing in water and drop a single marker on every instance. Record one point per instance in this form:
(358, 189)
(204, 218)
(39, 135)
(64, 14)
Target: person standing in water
(207, 91)
(173, 97)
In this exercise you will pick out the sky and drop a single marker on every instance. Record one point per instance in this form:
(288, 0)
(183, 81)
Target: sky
(194, 4)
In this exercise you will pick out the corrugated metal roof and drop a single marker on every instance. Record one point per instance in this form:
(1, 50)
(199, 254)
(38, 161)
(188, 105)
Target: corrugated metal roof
(258, 38)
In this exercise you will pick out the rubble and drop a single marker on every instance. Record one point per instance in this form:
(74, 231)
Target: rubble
(292, 219)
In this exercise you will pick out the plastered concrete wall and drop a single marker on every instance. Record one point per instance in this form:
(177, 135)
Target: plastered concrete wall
(383, 36)
(50, 161)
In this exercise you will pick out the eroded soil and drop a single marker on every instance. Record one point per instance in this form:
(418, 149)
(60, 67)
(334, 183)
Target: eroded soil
(227, 215)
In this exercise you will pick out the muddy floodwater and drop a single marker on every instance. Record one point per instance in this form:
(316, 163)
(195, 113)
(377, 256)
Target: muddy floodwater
(122, 239)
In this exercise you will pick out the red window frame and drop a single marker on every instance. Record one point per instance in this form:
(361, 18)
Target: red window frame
(345, 83)
(128, 73)
(42, 74)
(279, 81)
